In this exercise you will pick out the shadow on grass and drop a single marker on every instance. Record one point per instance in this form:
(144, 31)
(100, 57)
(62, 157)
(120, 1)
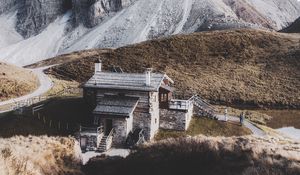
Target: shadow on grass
(59, 117)
(192, 156)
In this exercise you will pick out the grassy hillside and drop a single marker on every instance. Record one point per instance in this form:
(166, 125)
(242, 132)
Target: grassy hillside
(15, 81)
(207, 127)
(206, 156)
(241, 67)
(39, 156)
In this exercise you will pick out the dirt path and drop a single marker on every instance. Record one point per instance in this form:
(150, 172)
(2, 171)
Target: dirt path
(45, 85)
(255, 130)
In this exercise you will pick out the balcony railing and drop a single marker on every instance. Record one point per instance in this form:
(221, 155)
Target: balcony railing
(180, 104)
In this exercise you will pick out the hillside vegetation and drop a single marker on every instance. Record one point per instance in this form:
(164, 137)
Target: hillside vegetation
(207, 127)
(39, 156)
(240, 67)
(207, 156)
(15, 81)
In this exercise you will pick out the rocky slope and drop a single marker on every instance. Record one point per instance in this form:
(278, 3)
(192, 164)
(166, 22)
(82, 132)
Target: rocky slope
(243, 67)
(39, 29)
(293, 28)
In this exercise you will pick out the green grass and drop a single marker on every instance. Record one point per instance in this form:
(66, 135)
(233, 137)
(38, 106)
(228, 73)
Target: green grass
(206, 127)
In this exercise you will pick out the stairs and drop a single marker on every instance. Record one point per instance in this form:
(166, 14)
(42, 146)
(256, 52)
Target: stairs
(106, 142)
(103, 144)
(205, 109)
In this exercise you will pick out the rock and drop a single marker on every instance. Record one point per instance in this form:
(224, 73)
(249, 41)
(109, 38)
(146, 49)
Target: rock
(91, 13)
(35, 15)
(6, 5)
(293, 28)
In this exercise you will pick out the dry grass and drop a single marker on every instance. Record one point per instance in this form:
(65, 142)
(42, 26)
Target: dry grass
(15, 81)
(207, 156)
(61, 85)
(241, 67)
(206, 127)
(283, 118)
(39, 156)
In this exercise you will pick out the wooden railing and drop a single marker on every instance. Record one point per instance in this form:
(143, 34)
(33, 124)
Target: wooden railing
(203, 105)
(180, 104)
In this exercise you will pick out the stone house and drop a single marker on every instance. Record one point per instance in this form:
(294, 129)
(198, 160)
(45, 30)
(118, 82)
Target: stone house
(126, 102)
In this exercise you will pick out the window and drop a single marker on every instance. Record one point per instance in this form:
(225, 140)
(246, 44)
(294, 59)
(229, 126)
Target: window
(164, 97)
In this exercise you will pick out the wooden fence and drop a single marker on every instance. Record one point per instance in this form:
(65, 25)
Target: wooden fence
(56, 124)
(34, 100)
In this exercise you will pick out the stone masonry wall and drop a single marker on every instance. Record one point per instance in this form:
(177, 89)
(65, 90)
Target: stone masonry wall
(142, 120)
(120, 126)
(154, 111)
(175, 119)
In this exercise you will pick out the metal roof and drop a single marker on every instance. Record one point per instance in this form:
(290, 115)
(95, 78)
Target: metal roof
(128, 81)
(120, 106)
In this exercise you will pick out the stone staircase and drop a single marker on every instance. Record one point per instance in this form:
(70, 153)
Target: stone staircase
(103, 145)
(204, 109)
(106, 142)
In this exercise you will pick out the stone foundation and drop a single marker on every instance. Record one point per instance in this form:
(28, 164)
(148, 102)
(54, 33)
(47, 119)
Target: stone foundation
(175, 119)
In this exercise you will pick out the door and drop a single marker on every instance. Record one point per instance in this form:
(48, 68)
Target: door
(108, 126)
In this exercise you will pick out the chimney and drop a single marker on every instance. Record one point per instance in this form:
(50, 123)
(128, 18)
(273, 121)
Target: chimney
(148, 76)
(98, 66)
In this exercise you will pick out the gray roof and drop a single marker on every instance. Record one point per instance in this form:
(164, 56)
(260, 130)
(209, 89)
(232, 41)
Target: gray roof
(120, 106)
(128, 81)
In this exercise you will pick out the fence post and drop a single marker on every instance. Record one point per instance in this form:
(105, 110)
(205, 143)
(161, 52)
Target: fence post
(44, 119)
(67, 126)
(50, 123)
(39, 116)
(58, 125)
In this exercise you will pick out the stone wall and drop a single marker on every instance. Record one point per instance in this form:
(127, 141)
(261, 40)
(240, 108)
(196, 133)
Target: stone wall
(175, 119)
(154, 111)
(143, 121)
(120, 136)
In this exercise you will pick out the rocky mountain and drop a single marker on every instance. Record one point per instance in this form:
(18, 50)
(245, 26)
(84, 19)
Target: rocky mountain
(34, 30)
(293, 28)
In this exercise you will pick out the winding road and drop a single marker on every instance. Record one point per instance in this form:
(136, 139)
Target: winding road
(255, 130)
(45, 85)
